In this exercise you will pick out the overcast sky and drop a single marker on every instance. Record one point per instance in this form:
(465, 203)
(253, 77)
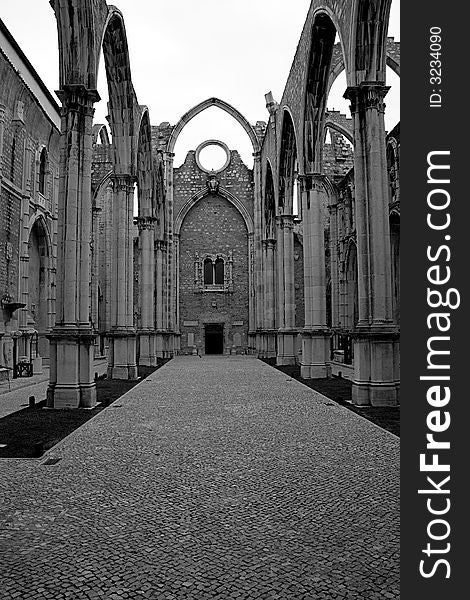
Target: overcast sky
(184, 51)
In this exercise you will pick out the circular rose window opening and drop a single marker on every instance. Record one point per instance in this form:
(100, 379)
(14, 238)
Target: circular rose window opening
(213, 156)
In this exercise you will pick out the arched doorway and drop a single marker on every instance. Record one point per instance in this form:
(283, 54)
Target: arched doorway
(39, 289)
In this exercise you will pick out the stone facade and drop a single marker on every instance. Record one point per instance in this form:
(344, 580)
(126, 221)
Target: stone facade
(29, 171)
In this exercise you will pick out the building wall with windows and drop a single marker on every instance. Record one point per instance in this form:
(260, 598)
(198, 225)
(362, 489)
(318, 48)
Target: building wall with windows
(29, 176)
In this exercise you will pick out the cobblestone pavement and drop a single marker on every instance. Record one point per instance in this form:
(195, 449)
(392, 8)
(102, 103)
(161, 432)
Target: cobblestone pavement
(215, 478)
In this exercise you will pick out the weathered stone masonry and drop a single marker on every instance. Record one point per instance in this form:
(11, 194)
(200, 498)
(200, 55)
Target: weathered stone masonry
(304, 247)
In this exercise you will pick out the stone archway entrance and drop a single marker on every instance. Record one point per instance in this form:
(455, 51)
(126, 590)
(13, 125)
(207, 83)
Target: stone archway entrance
(214, 338)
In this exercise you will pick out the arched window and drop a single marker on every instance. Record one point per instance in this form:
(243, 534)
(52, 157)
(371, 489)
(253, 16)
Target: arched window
(208, 272)
(214, 273)
(13, 157)
(219, 271)
(42, 172)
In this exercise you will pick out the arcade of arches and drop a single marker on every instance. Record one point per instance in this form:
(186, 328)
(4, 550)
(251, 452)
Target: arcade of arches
(295, 259)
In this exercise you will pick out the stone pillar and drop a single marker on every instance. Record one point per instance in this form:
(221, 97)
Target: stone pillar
(94, 276)
(252, 332)
(71, 359)
(171, 282)
(159, 298)
(258, 264)
(376, 378)
(270, 298)
(287, 333)
(315, 335)
(147, 356)
(334, 262)
(122, 359)
(176, 302)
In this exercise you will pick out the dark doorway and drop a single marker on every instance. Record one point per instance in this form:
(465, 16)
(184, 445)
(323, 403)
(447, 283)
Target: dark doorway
(214, 338)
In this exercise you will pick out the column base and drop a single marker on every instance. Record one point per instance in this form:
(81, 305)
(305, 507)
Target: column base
(376, 379)
(147, 347)
(268, 343)
(122, 355)
(286, 354)
(315, 354)
(71, 383)
(61, 396)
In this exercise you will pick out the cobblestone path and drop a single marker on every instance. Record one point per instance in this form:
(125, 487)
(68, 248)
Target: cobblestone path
(214, 478)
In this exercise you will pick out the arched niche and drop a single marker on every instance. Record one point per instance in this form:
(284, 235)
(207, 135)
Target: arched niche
(39, 283)
(352, 316)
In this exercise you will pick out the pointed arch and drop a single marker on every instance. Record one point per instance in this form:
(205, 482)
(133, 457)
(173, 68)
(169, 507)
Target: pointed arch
(329, 124)
(288, 163)
(322, 44)
(122, 98)
(369, 40)
(100, 132)
(224, 193)
(269, 201)
(144, 167)
(228, 108)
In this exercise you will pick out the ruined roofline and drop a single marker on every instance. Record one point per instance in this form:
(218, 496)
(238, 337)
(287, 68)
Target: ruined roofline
(4, 31)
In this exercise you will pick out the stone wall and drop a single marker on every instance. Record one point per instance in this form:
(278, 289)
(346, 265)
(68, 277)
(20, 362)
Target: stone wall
(214, 226)
(26, 131)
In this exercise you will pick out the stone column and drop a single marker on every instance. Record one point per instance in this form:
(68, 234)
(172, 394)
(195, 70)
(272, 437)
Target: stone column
(71, 360)
(122, 359)
(252, 332)
(287, 333)
(159, 298)
(270, 298)
(95, 275)
(176, 304)
(171, 259)
(333, 209)
(147, 355)
(315, 335)
(258, 264)
(376, 378)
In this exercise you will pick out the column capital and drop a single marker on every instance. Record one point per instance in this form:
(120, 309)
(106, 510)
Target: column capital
(161, 245)
(312, 182)
(269, 243)
(369, 94)
(77, 97)
(285, 221)
(145, 223)
(123, 182)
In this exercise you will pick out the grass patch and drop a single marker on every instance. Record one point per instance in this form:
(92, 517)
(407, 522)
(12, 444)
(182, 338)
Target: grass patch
(339, 390)
(30, 432)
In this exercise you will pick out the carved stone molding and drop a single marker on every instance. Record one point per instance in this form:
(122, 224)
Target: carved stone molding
(367, 96)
